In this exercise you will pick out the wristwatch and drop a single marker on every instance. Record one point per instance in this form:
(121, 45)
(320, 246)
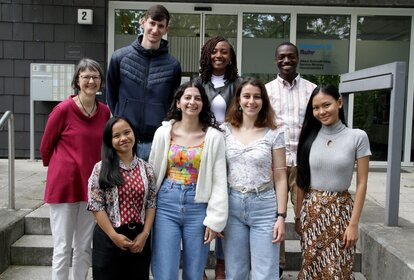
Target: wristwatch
(283, 215)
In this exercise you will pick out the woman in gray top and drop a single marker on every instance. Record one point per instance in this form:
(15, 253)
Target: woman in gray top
(326, 216)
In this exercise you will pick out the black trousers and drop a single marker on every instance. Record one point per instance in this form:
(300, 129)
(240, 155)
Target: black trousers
(110, 262)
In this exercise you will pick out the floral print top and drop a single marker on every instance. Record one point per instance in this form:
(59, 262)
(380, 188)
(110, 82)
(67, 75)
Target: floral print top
(184, 163)
(251, 165)
(111, 200)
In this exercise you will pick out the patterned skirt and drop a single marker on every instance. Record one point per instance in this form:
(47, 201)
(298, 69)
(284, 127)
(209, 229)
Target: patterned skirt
(324, 218)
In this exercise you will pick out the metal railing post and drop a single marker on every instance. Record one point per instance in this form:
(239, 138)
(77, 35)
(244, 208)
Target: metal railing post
(11, 163)
(8, 115)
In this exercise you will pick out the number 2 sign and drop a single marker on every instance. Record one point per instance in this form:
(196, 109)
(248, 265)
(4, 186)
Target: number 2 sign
(85, 16)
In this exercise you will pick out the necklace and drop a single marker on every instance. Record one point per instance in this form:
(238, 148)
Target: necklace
(87, 113)
(331, 133)
(330, 139)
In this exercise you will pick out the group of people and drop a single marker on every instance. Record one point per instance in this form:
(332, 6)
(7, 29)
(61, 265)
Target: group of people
(178, 166)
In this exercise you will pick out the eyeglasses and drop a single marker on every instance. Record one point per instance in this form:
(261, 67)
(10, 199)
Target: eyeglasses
(88, 78)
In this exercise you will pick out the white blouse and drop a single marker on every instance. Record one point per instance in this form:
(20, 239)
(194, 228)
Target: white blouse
(251, 165)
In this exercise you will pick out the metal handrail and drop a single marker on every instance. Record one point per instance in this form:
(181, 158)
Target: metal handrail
(8, 116)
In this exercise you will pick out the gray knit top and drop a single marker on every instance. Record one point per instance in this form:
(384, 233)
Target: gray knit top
(333, 154)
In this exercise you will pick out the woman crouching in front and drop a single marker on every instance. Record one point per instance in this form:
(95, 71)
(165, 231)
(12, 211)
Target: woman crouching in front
(122, 198)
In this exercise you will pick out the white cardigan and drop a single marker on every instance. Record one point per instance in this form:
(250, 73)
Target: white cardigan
(212, 177)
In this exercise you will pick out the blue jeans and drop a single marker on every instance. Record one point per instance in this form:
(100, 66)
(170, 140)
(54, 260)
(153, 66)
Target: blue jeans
(178, 219)
(248, 236)
(143, 150)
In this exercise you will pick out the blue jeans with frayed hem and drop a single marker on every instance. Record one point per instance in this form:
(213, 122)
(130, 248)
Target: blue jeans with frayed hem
(178, 220)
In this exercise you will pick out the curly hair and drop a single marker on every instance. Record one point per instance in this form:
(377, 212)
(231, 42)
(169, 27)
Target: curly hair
(287, 44)
(206, 69)
(206, 117)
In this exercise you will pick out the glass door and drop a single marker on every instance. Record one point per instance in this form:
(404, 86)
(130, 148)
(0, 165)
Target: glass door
(262, 32)
(188, 31)
(184, 41)
(331, 41)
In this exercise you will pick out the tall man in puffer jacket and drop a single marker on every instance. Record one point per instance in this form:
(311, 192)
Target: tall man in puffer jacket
(142, 78)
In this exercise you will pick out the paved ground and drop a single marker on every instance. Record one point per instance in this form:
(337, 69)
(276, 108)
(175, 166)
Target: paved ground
(377, 190)
(45, 272)
(30, 177)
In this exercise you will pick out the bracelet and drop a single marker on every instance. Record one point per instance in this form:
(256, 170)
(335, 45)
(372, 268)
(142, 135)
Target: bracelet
(146, 232)
(280, 168)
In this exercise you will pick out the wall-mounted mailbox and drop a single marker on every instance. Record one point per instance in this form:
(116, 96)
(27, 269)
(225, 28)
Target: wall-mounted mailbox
(48, 82)
(51, 82)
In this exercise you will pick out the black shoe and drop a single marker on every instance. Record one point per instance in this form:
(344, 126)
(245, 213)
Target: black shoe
(280, 272)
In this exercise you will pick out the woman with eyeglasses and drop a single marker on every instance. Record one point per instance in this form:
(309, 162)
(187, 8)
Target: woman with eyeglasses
(70, 148)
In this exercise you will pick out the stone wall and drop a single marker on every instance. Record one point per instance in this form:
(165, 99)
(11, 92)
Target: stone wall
(42, 31)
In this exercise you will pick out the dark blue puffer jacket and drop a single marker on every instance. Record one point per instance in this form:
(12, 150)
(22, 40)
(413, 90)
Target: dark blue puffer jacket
(140, 85)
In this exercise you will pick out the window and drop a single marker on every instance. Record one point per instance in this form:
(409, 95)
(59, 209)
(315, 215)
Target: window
(323, 43)
(382, 40)
(261, 34)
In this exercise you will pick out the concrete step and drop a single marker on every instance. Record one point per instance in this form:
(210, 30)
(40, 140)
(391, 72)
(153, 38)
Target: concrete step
(15, 272)
(38, 222)
(294, 256)
(35, 248)
(38, 250)
(32, 250)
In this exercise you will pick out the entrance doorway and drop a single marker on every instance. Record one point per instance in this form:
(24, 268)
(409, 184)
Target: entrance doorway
(189, 29)
(331, 41)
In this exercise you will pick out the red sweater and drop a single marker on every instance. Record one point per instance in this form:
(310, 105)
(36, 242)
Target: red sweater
(71, 145)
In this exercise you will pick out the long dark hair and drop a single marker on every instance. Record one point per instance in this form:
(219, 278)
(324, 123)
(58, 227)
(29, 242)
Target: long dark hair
(110, 175)
(206, 117)
(310, 130)
(206, 70)
(266, 117)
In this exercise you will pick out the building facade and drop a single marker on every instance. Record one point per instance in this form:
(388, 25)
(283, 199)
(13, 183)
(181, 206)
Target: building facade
(333, 36)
